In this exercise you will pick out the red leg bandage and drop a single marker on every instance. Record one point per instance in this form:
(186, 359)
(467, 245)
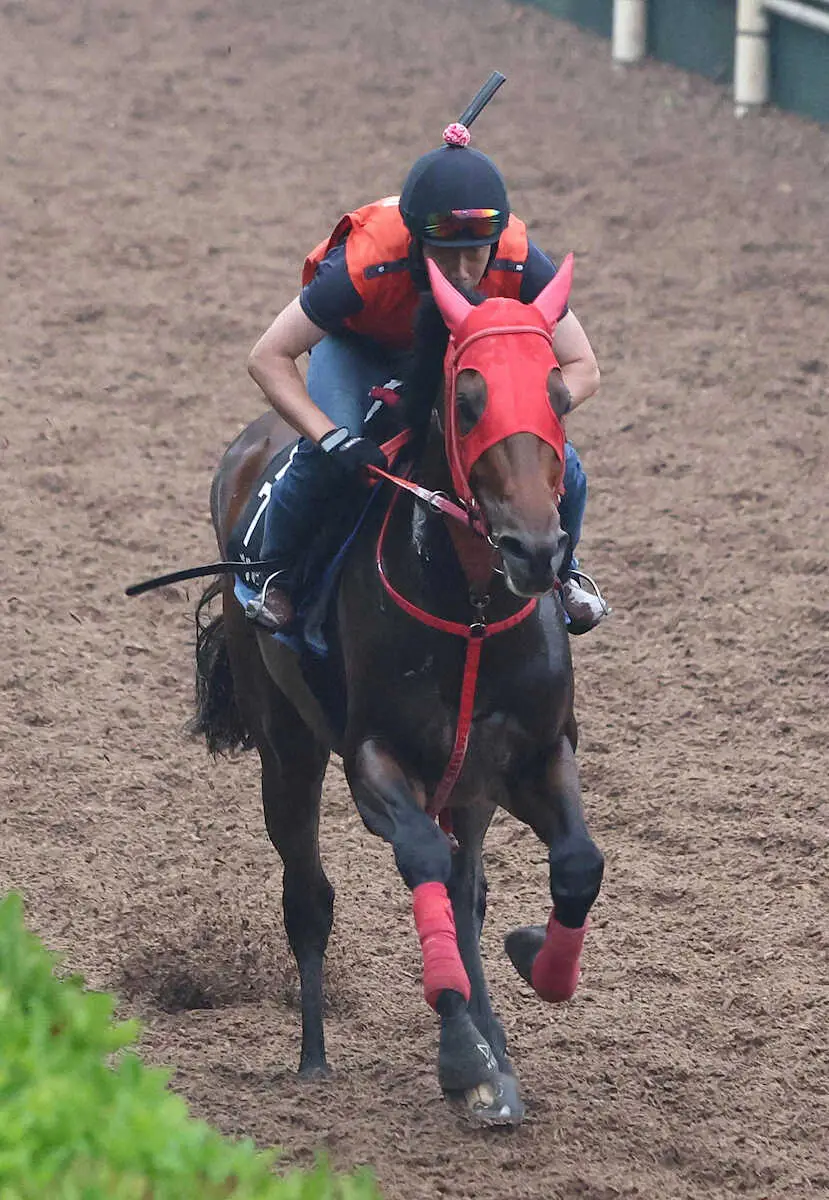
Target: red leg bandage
(442, 966)
(556, 968)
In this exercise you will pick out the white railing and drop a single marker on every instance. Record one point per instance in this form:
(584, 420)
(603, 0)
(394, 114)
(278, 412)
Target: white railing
(796, 10)
(751, 50)
(751, 54)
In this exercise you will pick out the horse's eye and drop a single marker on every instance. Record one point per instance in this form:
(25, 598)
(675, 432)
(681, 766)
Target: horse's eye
(467, 415)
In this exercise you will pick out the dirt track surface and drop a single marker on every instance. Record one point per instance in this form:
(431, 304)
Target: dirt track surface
(164, 168)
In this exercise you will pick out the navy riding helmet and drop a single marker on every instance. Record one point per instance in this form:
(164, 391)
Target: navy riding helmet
(455, 196)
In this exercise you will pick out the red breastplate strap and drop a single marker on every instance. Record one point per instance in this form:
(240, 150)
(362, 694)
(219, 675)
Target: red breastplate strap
(474, 634)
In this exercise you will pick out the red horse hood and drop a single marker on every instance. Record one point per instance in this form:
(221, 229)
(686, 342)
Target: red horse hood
(510, 345)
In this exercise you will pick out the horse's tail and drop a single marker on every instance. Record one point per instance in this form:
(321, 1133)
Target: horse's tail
(217, 715)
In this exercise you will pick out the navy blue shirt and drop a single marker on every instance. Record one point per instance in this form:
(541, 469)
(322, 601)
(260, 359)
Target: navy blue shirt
(330, 297)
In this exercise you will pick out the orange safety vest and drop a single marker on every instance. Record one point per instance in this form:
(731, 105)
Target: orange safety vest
(377, 257)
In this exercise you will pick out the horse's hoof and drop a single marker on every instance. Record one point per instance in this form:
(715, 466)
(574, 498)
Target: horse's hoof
(496, 1102)
(522, 945)
(315, 1072)
(465, 1057)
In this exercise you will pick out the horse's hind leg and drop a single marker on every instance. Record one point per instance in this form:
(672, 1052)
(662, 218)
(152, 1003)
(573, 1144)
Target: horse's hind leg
(293, 765)
(291, 787)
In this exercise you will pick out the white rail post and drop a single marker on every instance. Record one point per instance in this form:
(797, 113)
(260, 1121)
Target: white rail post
(629, 30)
(751, 57)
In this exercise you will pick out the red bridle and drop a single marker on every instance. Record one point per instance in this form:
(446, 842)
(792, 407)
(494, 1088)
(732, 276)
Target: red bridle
(515, 370)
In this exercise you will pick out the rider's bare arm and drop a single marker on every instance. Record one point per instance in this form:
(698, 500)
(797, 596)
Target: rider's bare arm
(579, 368)
(272, 363)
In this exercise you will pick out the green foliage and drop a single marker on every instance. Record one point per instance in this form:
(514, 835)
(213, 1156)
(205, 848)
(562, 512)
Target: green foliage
(73, 1127)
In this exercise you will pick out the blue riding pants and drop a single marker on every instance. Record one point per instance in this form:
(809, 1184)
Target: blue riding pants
(341, 372)
(573, 502)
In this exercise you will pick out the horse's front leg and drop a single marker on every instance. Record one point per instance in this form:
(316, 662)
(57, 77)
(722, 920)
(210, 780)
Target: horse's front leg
(391, 805)
(497, 1101)
(549, 957)
(467, 891)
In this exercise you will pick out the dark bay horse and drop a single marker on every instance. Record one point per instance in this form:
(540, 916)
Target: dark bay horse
(458, 685)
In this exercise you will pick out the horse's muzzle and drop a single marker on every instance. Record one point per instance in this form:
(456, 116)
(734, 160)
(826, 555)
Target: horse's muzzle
(531, 563)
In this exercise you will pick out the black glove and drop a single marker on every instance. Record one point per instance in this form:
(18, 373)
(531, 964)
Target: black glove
(351, 453)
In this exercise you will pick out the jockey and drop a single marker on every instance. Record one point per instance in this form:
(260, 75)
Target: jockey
(355, 314)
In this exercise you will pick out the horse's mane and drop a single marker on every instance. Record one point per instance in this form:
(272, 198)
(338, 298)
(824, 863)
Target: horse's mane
(424, 374)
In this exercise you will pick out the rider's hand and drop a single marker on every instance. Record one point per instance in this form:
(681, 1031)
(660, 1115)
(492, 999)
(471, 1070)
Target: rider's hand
(351, 453)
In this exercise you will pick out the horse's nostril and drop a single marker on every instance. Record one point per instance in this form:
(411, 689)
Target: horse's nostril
(534, 558)
(513, 547)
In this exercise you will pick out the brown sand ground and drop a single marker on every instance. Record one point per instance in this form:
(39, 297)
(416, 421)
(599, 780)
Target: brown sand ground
(163, 167)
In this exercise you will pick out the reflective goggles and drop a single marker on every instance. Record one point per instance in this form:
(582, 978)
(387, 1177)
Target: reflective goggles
(484, 224)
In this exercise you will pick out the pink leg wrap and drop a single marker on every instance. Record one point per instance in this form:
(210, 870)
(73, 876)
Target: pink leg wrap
(442, 966)
(556, 968)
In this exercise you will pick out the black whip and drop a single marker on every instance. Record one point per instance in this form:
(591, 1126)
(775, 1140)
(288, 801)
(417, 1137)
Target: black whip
(481, 98)
(216, 568)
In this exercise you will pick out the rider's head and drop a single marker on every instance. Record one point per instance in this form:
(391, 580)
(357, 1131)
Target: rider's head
(454, 203)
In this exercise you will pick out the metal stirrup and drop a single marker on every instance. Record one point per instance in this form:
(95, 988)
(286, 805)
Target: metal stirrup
(579, 576)
(256, 606)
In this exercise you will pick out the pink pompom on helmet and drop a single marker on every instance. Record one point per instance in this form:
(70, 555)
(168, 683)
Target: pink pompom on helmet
(457, 135)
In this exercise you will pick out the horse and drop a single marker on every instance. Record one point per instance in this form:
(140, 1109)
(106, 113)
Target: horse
(454, 660)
